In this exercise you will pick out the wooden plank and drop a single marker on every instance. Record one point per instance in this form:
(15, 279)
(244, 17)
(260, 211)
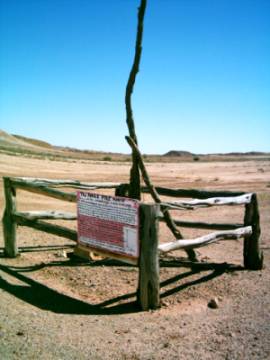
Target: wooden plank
(41, 186)
(217, 201)
(46, 227)
(189, 193)
(206, 239)
(65, 183)
(9, 226)
(44, 190)
(203, 225)
(148, 290)
(48, 215)
(253, 256)
(193, 193)
(86, 252)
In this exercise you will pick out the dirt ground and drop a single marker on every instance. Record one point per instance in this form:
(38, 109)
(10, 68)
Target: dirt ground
(53, 306)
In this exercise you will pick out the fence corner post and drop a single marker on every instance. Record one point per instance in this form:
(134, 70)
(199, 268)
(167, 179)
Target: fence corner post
(148, 290)
(253, 256)
(9, 225)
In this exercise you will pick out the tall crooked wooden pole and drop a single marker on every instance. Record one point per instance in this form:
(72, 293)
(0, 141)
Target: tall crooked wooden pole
(137, 162)
(135, 186)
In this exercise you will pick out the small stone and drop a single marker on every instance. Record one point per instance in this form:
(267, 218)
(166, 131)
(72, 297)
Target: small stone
(213, 303)
(20, 333)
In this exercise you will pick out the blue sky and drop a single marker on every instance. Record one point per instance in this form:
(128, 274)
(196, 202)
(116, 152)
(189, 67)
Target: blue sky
(203, 85)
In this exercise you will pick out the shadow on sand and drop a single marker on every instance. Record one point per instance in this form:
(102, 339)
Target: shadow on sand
(43, 297)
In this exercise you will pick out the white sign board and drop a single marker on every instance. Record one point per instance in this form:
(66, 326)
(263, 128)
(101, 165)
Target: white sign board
(109, 224)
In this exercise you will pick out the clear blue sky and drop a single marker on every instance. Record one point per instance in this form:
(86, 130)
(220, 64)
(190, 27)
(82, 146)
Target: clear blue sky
(203, 85)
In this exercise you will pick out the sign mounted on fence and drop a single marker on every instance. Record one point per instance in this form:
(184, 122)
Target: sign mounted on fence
(109, 225)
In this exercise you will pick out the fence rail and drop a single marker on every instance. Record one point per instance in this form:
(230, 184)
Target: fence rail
(249, 229)
(183, 193)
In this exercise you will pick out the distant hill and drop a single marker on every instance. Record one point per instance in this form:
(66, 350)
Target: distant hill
(176, 153)
(15, 141)
(248, 153)
(25, 146)
(186, 154)
(34, 142)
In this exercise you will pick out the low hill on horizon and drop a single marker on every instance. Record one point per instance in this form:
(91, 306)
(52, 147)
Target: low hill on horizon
(35, 142)
(178, 153)
(182, 153)
(10, 140)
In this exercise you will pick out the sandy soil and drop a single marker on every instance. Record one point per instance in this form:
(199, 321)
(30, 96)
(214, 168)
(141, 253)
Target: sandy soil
(54, 307)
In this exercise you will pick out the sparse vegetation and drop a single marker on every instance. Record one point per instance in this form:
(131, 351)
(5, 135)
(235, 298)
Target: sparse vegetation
(107, 158)
(16, 146)
(49, 291)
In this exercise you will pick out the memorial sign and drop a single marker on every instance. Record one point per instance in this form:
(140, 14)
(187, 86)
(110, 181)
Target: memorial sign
(109, 225)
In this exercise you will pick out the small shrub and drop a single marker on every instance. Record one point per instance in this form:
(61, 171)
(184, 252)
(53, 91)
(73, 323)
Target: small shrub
(107, 158)
(196, 158)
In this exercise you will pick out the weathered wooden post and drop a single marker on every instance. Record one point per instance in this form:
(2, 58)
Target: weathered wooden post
(9, 225)
(122, 190)
(135, 187)
(253, 256)
(148, 290)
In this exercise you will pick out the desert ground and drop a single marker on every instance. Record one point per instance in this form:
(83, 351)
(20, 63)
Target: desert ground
(54, 306)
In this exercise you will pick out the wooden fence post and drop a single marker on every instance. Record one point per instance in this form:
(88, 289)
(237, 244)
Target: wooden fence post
(9, 225)
(122, 190)
(148, 291)
(253, 256)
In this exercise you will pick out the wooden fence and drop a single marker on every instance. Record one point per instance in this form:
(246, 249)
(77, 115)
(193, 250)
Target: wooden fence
(150, 216)
(34, 219)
